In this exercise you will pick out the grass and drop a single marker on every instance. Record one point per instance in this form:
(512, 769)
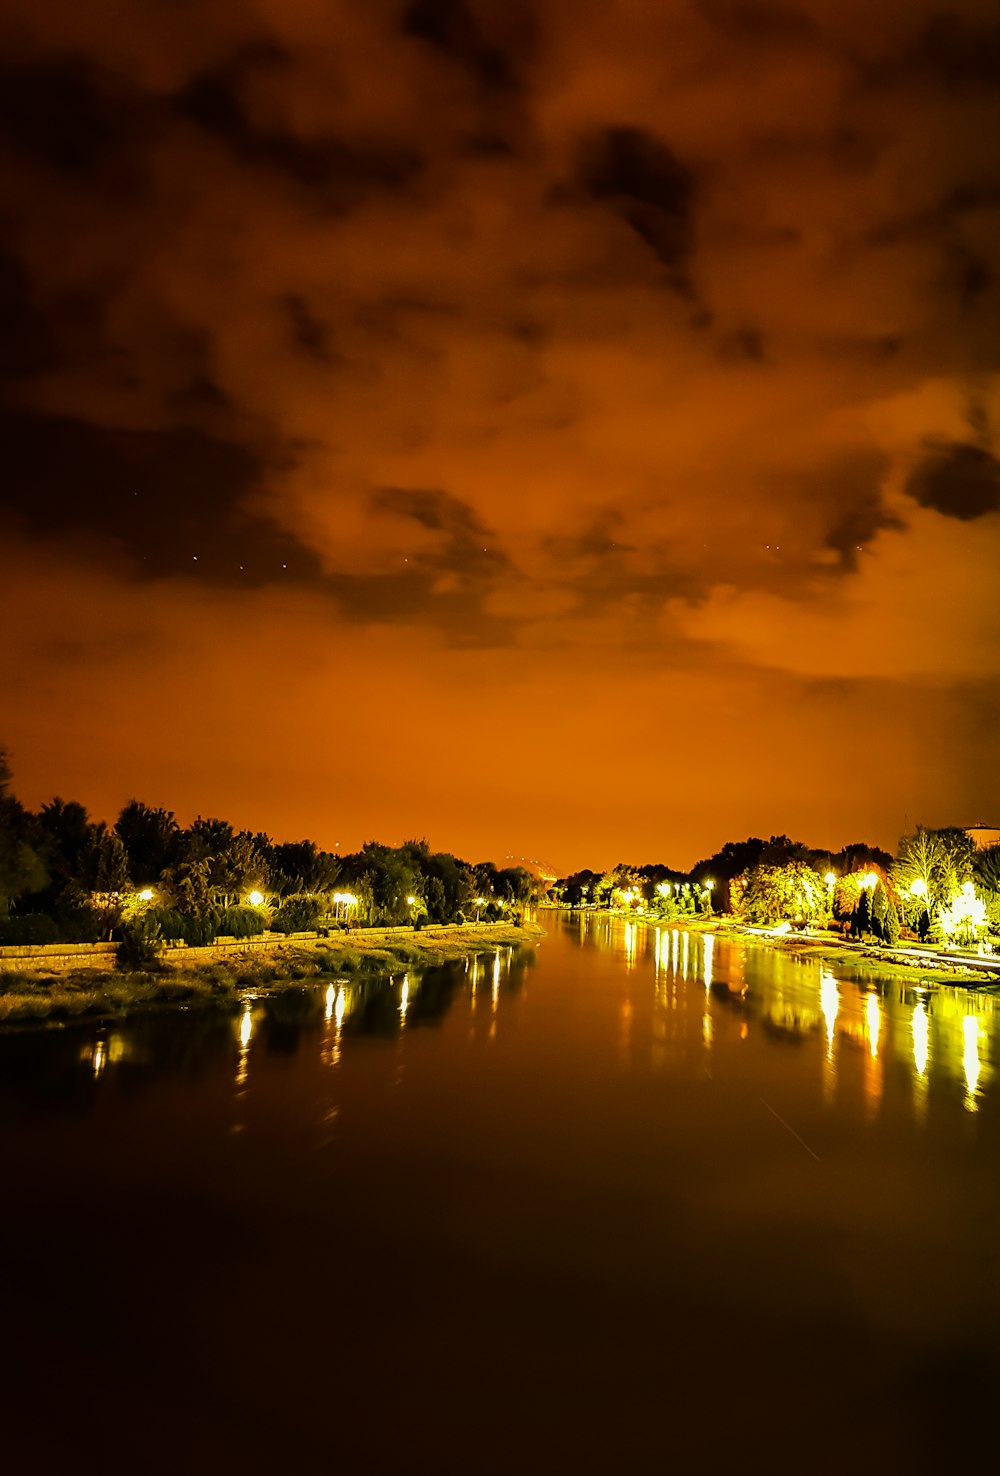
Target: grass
(51, 998)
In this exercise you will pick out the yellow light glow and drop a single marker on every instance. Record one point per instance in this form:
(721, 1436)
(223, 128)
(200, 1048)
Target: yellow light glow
(918, 887)
(921, 1038)
(340, 1007)
(709, 953)
(256, 899)
(411, 901)
(830, 878)
(146, 895)
(970, 1059)
(874, 1018)
(829, 999)
(404, 998)
(870, 880)
(246, 1028)
(331, 994)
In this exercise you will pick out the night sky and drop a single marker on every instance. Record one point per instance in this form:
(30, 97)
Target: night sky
(556, 428)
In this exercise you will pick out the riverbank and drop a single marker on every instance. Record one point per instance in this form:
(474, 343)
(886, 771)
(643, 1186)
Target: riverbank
(911, 965)
(32, 996)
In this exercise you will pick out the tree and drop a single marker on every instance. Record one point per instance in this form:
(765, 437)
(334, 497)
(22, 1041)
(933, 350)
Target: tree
(21, 868)
(930, 870)
(771, 894)
(152, 841)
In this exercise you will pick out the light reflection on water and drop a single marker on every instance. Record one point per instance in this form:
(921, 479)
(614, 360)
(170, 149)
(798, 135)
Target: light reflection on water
(672, 1144)
(943, 1036)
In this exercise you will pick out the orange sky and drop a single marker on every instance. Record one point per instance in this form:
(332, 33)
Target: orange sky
(566, 429)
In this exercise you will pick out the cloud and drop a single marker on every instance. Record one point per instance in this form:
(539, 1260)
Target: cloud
(498, 329)
(959, 480)
(917, 608)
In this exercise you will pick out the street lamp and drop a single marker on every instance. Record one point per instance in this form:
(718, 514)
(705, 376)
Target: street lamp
(256, 899)
(345, 900)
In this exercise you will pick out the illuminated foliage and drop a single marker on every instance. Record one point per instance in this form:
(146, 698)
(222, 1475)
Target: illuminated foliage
(964, 919)
(771, 894)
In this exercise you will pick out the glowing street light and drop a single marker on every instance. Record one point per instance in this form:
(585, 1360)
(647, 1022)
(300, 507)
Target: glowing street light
(345, 900)
(256, 899)
(918, 887)
(146, 895)
(830, 878)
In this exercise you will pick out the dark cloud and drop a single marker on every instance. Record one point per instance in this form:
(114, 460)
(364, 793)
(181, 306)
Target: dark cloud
(962, 52)
(343, 172)
(957, 479)
(750, 21)
(308, 329)
(172, 501)
(26, 345)
(743, 344)
(465, 545)
(56, 112)
(638, 175)
(453, 30)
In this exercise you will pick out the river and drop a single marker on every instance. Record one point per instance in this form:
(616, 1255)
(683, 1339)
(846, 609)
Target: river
(626, 1201)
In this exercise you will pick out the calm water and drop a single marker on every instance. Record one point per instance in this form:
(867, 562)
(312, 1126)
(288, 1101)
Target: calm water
(630, 1202)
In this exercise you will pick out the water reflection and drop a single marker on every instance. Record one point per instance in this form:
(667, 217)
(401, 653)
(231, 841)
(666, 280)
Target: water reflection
(873, 1017)
(970, 1060)
(244, 1033)
(866, 1025)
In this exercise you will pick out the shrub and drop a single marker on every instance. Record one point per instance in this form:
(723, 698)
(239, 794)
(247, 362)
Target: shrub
(241, 922)
(459, 918)
(140, 946)
(297, 915)
(33, 930)
(196, 932)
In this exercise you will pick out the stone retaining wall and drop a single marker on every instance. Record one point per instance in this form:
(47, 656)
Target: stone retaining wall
(61, 957)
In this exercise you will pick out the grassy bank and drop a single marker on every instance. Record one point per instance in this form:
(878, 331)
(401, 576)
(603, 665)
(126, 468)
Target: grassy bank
(39, 998)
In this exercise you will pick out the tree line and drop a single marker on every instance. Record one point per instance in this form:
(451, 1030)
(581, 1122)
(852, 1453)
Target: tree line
(939, 887)
(65, 877)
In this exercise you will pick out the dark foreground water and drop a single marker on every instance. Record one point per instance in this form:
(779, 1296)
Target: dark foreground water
(635, 1202)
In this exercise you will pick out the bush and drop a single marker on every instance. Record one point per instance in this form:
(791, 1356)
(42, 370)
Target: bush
(140, 946)
(33, 930)
(459, 918)
(241, 922)
(196, 932)
(297, 915)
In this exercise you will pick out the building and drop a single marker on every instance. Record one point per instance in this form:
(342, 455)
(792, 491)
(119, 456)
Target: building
(983, 836)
